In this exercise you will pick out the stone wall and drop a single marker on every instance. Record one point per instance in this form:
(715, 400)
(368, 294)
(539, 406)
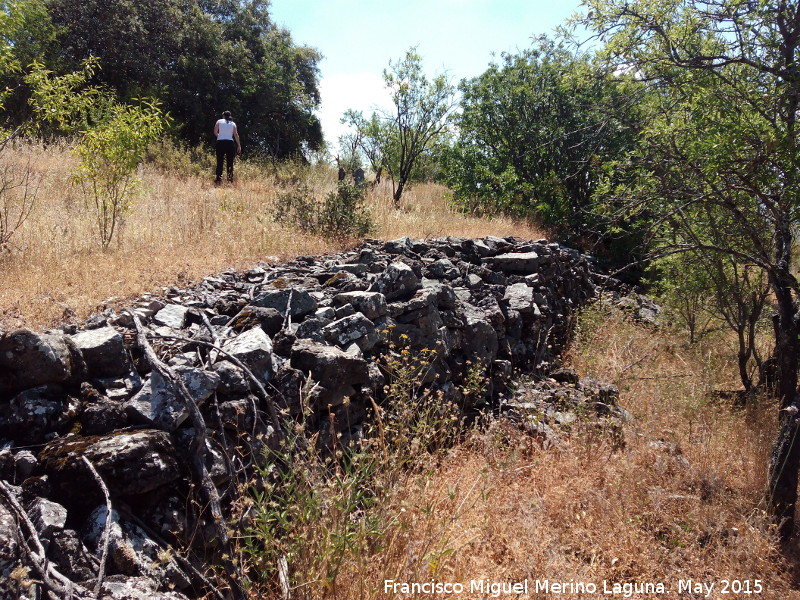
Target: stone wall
(88, 393)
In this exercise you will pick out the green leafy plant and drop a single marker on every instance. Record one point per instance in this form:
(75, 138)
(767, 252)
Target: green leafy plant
(110, 153)
(342, 214)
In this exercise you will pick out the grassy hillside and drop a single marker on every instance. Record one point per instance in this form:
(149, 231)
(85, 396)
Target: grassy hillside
(181, 228)
(681, 500)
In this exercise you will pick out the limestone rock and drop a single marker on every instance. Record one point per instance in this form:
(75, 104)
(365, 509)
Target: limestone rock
(254, 349)
(371, 304)
(158, 404)
(29, 359)
(297, 302)
(130, 463)
(397, 282)
(104, 352)
(172, 315)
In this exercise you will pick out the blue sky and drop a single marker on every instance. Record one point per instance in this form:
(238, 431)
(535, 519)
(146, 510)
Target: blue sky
(358, 38)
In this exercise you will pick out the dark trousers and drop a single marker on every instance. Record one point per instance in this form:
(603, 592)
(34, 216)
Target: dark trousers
(226, 151)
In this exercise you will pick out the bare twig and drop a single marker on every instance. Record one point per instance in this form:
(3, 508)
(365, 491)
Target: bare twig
(56, 584)
(271, 408)
(106, 537)
(197, 451)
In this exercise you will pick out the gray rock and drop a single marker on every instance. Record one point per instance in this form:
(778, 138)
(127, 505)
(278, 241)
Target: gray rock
(298, 302)
(515, 262)
(119, 587)
(519, 297)
(336, 371)
(371, 304)
(132, 551)
(232, 379)
(71, 557)
(269, 319)
(444, 269)
(254, 349)
(356, 328)
(9, 548)
(157, 403)
(48, 517)
(172, 315)
(33, 414)
(130, 463)
(29, 359)
(397, 282)
(103, 351)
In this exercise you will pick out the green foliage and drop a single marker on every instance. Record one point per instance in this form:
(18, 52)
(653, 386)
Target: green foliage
(718, 160)
(198, 59)
(534, 135)
(110, 154)
(304, 513)
(316, 511)
(396, 141)
(341, 215)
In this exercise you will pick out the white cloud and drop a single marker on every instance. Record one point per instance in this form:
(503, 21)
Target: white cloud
(342, 91)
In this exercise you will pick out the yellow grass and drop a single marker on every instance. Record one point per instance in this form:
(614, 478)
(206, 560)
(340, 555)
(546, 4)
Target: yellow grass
(681, 500)
(181, 228)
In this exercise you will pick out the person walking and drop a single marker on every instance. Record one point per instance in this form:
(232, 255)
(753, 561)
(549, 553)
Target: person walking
(228, 145)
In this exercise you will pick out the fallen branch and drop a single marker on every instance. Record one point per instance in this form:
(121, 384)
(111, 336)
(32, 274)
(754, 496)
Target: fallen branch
(57, 585)
(197, 451)
(271, 408)
(105, 539)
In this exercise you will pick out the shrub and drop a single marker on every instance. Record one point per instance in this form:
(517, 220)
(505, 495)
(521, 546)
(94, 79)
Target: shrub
(110, 154)
(341, 215)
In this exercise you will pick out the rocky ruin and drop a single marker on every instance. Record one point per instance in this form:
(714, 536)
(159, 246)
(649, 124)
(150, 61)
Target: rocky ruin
(107, 429)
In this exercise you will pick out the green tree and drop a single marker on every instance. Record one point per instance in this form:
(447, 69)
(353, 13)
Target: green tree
(200, 58)
(394, 141)
(110, 154)
(535, 133)
(719, 154)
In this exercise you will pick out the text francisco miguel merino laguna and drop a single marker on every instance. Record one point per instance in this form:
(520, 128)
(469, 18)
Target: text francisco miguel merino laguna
(571, 587)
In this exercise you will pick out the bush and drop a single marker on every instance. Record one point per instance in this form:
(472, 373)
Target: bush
(342, 214)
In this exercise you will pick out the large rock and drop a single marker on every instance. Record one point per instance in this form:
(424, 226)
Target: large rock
(336, 372)
(120, 587)
(254, 349)
(371, 304)
(172, 315)
(29, 359)
(157, 404)
(33, 414)
(104, 352)
(515, 262)
(130, 463)
(296, 301)
(356, 329)
(519, 297)
(397, 282)
(10, 553)
(132, 551)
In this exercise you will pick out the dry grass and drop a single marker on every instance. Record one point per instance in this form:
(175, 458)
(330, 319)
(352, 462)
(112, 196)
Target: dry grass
(682, 500)
(181, 228)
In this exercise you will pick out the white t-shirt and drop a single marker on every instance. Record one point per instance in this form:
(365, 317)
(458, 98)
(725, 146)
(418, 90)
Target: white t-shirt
(225, 129)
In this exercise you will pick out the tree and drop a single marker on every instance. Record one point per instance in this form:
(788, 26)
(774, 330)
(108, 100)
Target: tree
(200, 58)
(394, 141)
(719, 153)
(110, 154)
(535, 133)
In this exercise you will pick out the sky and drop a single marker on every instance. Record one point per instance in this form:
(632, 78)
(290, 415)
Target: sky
(358, 38)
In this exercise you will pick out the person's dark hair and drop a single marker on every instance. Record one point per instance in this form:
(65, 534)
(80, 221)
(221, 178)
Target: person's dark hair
(226, 115)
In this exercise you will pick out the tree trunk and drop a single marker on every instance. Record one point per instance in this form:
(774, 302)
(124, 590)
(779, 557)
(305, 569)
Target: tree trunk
(785, 460)
(398, 192)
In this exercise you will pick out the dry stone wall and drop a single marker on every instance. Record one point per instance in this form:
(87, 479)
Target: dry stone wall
(88, 394)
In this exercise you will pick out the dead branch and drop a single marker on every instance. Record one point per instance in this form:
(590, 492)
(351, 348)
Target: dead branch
(56, 584)
(271, 408)
(197, 451)
(106, 537)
